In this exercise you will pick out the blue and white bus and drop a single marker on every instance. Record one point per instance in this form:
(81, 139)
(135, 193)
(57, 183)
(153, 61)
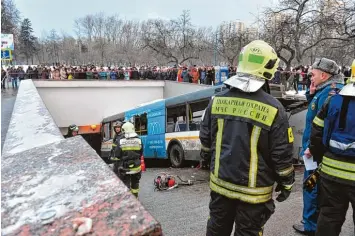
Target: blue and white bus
(169, 128)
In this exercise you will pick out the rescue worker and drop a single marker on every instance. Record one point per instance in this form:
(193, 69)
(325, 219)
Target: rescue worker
(246, 133)
(72, 131)
(130, 152)
(116, 142)
(116, 139)
(333, 144)
(325, 78)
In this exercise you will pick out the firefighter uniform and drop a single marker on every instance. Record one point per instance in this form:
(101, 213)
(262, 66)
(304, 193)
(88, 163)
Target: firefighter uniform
(246, 133)
(130, 152)
(115, 151)
(333, 144)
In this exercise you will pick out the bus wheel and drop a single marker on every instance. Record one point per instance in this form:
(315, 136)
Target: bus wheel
(176, 155)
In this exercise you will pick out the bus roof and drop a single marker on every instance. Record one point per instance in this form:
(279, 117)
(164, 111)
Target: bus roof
(148, 103)
(113, 117)
(201, 94)
(205, 93)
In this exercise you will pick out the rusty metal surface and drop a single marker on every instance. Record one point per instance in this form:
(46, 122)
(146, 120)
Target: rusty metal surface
(45, 188)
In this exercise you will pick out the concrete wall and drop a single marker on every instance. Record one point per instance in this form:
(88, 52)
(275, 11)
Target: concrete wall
(172, 88)
(47, 181)
(31, 124)
(88, 102)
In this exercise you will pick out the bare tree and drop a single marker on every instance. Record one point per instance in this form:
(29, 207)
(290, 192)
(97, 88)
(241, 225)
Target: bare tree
(299, 31)
(300, 25)
(177, 40)
(230, 42)
(10, 17)
(53, 46)
(70, 50)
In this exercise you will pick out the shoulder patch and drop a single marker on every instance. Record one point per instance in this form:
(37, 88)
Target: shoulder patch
(334, 91)
(290, 135)
(313, 106)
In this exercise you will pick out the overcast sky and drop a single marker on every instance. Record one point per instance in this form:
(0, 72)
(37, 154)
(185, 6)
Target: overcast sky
(60, 14)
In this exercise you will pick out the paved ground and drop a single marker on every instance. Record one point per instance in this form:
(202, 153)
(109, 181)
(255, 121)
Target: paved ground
(184, 211)
(8, 97)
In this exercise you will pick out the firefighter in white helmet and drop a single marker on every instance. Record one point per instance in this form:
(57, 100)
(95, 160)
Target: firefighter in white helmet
(130, 151)
(246, 133)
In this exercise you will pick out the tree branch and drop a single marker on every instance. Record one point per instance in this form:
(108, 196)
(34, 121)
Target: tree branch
(321, 40)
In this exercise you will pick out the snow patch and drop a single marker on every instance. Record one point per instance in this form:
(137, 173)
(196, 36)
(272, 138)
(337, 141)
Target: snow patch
(293, 92)
(55, 152)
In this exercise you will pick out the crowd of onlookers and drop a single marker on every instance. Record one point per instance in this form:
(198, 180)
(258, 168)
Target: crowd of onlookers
(192, 74)
(298, 78)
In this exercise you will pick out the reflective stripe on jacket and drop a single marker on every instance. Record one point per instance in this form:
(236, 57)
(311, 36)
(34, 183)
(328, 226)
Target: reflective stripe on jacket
(131, 152)
(315, 103)
(337, 163)
(251, 145)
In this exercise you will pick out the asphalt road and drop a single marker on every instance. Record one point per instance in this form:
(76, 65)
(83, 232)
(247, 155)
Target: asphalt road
(184, 210)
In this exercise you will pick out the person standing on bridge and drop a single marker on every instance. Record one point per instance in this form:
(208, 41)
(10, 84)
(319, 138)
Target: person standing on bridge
(325, 79)
(246, 133)
(130, 150)
(72, 131)
(333, 145)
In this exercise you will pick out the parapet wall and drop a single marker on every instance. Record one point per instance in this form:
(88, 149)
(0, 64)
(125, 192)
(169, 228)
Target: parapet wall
(48, 181)
(31, 124)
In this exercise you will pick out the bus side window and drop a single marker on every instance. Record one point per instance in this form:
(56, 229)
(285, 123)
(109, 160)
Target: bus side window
(102, 132)
(141, 124)
(106, 132)
(196, 113)
(176, 116)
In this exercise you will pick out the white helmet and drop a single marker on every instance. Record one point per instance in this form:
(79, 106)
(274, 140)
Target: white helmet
(129, 130)
(349, 89)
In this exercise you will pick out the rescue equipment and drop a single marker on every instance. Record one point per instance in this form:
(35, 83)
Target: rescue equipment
(166, 181)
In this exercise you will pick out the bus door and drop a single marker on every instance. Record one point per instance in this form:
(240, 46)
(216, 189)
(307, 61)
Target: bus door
(156, 134)
(196, 111)
(150, 127)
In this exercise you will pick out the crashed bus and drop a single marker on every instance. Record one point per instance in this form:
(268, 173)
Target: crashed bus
(169, 128)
